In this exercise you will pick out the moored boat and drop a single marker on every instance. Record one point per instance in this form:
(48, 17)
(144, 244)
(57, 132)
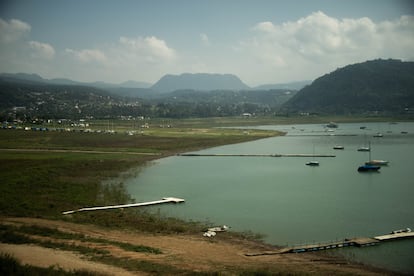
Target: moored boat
(377, 162)
(338, 147)
(368, 168)
(312, 163)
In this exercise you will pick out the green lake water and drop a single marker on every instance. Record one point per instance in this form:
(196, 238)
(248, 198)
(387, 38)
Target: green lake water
(291, 203)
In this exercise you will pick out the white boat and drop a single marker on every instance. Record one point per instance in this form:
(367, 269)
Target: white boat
(377, 162)
(338, 147)
(312, 163)
(364, 149)
(378, 135)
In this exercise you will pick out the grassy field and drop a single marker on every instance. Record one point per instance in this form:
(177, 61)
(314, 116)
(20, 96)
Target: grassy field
(46, 172)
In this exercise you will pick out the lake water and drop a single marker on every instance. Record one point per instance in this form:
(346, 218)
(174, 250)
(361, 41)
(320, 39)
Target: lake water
(291, 203)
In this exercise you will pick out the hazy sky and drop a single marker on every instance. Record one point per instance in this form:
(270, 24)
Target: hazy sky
(259, 41)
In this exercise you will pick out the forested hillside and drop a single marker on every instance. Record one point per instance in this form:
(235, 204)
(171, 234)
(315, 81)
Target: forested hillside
(380, 86)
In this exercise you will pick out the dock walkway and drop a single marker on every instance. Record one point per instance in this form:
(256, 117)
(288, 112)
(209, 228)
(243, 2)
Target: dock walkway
(358, 242)
(254, 155)
(164, 200)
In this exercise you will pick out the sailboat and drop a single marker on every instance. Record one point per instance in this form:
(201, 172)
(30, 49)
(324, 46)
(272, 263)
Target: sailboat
(376, 162)
(365, 148)
(313, 163)
(370, 166)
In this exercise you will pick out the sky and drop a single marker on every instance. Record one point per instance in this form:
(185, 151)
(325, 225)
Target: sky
(260, 41)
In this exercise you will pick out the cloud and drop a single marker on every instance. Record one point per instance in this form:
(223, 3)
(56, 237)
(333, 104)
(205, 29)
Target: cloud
(150, 49)
(88, 55)
(319, 42)
(13, 30)
(42, 50)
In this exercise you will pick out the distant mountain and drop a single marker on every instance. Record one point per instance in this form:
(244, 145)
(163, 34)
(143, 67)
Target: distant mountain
(385, 86)
(19, 77)
(297, 85)
(200, 82)
(22, 77)
(135, 84)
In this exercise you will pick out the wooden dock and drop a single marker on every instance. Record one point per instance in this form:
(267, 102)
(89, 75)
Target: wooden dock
(358, 242)
(162, 201)
(395, 236)
(254, 155)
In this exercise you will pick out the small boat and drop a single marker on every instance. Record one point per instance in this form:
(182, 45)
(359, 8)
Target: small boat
(364, 149)
(312, 163)
(376, 162)
(368, 168)
(378, 135)
(332, 125)
(338, 147)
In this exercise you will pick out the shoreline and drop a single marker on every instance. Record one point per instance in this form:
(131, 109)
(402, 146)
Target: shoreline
(79, 166)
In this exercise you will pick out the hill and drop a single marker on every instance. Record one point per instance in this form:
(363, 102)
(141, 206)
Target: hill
(201, 81)
(380, 86)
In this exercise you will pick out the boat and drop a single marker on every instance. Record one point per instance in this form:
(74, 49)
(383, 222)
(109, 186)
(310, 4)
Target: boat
(365, 148)
(332, 125)
(312, 163)
(378, 135)
(338, 147)
(368, 168)
(377, 162)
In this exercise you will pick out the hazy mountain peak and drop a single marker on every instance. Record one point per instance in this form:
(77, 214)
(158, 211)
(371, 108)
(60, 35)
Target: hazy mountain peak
(199, 81)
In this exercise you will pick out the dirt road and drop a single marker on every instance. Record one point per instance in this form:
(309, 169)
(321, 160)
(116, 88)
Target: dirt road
(189, 253)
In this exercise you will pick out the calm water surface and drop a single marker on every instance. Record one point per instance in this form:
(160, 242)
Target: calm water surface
(291, 203)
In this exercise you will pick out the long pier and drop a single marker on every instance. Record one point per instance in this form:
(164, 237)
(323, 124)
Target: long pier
(164, 200)
(255, 155)
(358, 242)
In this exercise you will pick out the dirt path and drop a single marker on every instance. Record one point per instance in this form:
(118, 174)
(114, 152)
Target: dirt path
(191, 253)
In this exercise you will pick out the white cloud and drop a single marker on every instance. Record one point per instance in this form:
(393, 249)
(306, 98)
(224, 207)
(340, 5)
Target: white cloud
(318, 43)
(13, 30)
(88, 55)
(42, 50)
(150, 49)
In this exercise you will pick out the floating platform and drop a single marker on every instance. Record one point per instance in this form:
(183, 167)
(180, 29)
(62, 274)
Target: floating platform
(255, 155)
(162, 201)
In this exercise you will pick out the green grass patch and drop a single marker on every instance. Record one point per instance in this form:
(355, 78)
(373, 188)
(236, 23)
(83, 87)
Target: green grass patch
(19, 235)
(11, 266)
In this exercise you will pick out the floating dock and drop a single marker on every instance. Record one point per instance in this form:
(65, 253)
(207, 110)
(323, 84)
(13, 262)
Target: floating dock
(358, 242)
(162, 201)
(255, 155)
